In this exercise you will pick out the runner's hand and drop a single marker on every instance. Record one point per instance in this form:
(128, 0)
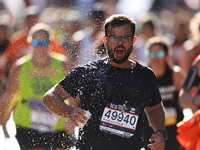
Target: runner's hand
(157, 141)
(77, 115)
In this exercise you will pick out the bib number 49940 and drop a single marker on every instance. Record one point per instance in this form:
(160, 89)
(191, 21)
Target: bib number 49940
(121, 117)
(119, 122)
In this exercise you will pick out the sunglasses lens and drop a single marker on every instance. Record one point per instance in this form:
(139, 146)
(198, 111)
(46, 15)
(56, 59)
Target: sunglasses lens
(151, 55)
(160, 54)
(38, 42)
(35, 42)
(45, 42)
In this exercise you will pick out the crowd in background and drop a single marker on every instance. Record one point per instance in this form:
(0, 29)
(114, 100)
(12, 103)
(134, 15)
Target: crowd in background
(77, 24)
(77, 29)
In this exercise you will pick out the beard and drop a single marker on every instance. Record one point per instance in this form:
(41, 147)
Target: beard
(111, 56)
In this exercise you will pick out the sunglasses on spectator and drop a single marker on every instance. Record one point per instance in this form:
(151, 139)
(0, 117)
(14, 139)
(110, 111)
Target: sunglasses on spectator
(40, 42)
(158, 54)
(115, 38)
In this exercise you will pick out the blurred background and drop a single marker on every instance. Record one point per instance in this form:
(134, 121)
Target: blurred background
(77, 26)
(170, 12)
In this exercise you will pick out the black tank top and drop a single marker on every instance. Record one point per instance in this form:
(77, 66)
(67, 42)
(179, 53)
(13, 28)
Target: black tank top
(169, 93)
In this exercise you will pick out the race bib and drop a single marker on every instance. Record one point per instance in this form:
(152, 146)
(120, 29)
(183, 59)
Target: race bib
(41, 118)
(119, 120)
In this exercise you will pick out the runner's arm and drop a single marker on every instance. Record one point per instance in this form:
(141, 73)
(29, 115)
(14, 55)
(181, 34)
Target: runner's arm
(156, 116)
(157, 119)
(7, 102)
(54, 100)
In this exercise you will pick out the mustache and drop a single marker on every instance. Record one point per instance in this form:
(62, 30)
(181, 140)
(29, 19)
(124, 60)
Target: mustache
(120, 46)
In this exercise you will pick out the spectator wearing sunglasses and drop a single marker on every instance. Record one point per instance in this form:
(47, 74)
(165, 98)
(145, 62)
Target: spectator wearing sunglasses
(30, 77)
(169, 79)
(19, 46)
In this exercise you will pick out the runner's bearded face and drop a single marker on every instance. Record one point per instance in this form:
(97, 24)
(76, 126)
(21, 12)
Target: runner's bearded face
(119, 43)
(124, 55)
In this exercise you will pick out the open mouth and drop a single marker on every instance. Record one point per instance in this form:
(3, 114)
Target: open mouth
(119, 52)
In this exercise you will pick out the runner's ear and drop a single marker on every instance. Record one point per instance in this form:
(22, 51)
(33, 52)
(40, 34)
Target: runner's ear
(104, 39)
(134, 39)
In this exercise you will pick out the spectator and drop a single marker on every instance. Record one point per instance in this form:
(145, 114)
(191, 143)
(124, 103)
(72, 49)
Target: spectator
(4, 42)
(180, 32)
(189, 97)
(91, 34)
(19, 46)
(71, 41)
(30, 77)
(169, 79)
(192, 45)
(150, 26)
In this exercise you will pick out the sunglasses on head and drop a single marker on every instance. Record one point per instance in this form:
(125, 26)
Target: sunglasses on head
(40, 42)
(158, 54)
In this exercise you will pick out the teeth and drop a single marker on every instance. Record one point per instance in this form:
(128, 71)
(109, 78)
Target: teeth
(119, 52)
